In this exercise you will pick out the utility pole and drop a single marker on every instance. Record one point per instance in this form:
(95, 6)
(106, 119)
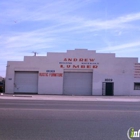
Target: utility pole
(35, 53)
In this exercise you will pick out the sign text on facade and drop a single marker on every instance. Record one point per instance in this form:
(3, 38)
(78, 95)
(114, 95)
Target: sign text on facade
(85, 63)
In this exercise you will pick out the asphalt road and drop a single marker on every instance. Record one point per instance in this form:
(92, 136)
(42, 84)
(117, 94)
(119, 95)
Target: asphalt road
(67, 120)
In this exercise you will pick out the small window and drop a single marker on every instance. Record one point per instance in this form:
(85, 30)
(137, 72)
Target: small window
(136, 86)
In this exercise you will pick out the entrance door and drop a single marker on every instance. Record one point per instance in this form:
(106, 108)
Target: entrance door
(108, 88)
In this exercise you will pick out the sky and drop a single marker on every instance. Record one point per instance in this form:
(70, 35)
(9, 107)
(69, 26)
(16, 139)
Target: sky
(107, 26)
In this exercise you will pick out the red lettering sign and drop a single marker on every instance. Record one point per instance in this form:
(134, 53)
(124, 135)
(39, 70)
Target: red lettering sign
(61, 66)
(68, 66)
(69, 59)
(91, 60)
(95, 67)
(88, 66)
(43, 74)
(74, 66)
(75, 59)
(65, 59)
(82, 66)
(79, 66)
(51, 74)
(86, 60)
(81, 59)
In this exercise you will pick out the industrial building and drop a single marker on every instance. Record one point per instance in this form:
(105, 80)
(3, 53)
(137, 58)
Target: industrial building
(75, 72)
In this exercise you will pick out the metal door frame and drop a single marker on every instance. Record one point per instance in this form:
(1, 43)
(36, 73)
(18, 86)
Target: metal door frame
(104, 88)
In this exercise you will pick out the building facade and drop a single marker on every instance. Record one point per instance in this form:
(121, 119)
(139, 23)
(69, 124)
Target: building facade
(76, 72)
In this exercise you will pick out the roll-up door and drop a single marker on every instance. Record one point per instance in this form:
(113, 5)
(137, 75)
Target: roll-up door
(26, 82)
(77, 83)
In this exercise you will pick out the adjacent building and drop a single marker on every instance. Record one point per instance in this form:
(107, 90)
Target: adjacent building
(76, 72)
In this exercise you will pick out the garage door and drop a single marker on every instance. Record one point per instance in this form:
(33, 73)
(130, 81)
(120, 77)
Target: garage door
(77, 83)
(26, 82)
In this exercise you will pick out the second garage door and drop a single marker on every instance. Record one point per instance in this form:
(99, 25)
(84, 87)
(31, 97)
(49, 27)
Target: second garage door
(77, 83)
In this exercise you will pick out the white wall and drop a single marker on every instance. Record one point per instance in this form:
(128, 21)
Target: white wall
(120, 70)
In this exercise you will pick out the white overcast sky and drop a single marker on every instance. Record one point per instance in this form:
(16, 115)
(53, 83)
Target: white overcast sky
(108, 26)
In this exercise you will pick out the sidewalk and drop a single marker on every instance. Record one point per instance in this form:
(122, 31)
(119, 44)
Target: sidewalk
(71, 98)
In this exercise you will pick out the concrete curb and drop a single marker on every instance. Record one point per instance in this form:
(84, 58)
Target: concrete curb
(22, 96)
(72, 98)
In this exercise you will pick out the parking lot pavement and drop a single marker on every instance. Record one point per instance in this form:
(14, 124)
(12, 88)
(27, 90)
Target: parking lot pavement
(71, 98)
